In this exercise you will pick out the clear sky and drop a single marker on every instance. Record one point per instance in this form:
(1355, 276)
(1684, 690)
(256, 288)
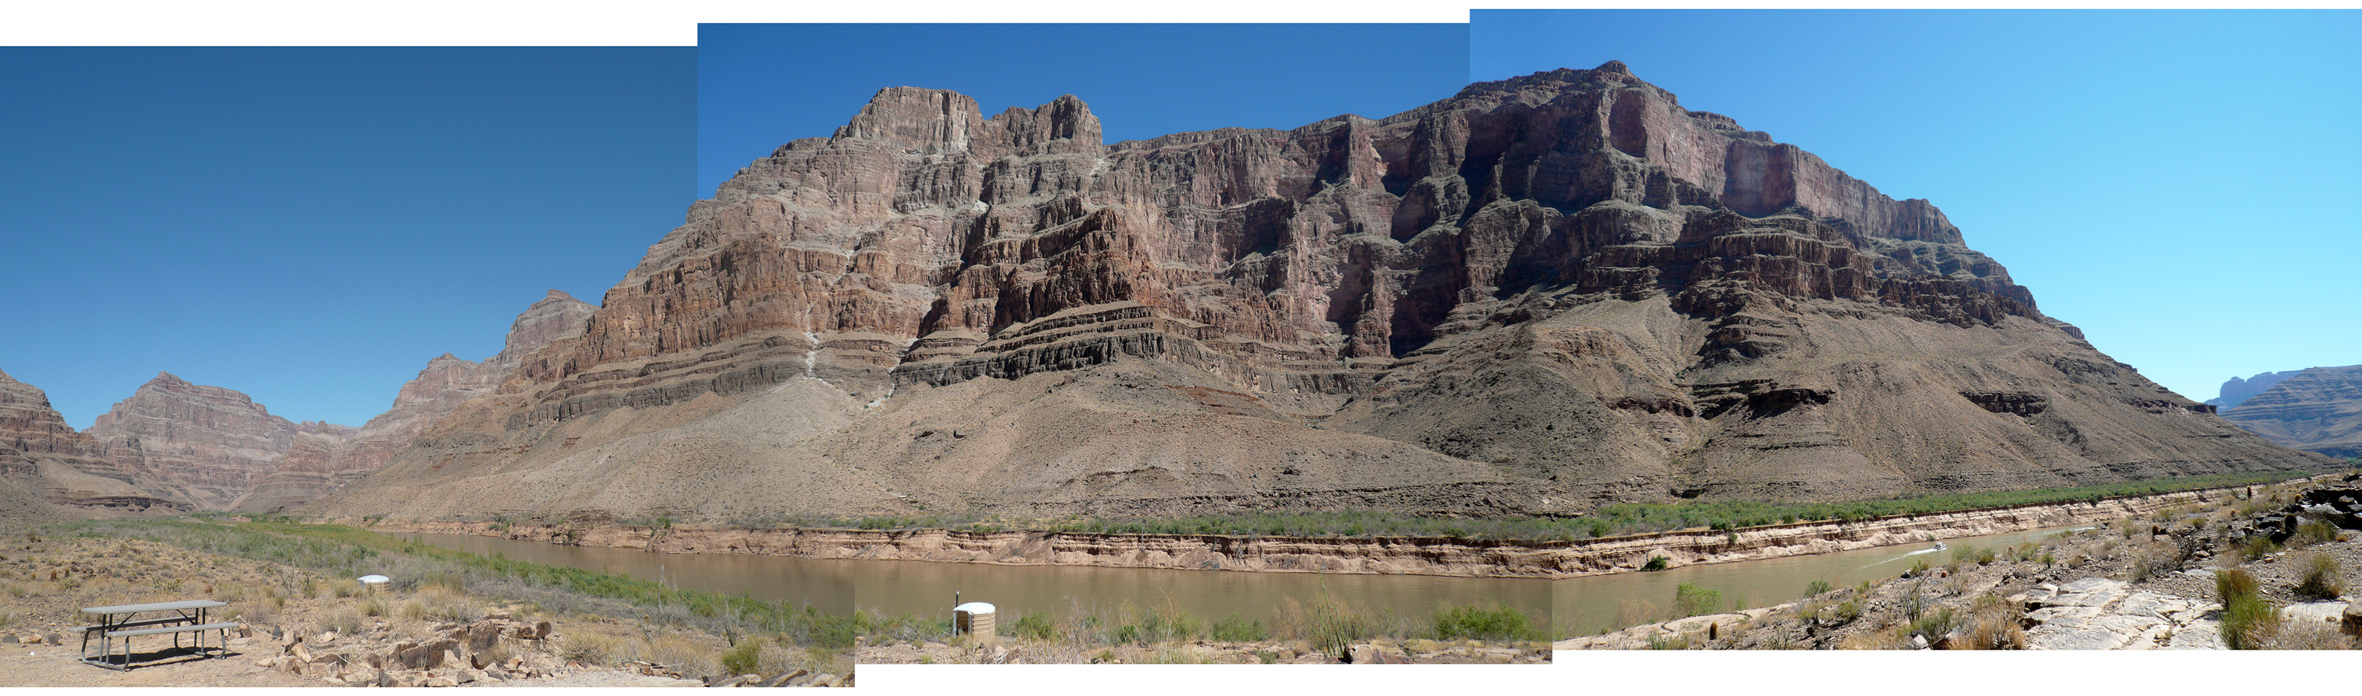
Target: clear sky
(761, 85)
(2178, 184)
(311, 225)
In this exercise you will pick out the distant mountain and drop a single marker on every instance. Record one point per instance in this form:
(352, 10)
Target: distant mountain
(2317, 409)
(2238, 391)
(197, 444)
(50, 471)
(315, 468)
(1536, 296)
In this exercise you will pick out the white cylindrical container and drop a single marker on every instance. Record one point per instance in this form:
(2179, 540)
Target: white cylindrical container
(974, 620)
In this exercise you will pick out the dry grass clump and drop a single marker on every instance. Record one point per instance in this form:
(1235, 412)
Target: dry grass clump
(1994, 624)
(344, 622)
(440, 603)
(592, 649)
(2323, 579)
(1897, 638)
(682, 655)
(2306, 635)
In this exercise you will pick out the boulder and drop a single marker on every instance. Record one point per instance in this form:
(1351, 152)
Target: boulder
(2350, 621)
(786, 677)
(428, 656)
(479, 636)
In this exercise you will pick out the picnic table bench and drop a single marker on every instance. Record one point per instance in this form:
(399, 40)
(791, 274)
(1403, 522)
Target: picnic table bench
(124, 622)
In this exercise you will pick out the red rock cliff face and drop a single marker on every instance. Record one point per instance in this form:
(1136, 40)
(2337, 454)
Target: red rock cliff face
(201, 445)
(1558, 289)
(316, 466)
(48, 470)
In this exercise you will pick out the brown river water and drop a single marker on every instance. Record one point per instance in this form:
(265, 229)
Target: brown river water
(1575, 606)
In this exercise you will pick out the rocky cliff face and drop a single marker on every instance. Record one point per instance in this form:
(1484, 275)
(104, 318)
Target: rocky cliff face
(315, 466)
(50, 471)
(2238, 391)
(200, 445)
(1539, 294)
(2317, 409)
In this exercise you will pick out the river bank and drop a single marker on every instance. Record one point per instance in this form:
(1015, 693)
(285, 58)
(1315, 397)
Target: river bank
(1387, 555)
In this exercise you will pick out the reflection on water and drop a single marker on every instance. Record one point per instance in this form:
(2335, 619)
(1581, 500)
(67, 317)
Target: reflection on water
(1592, 604)
(926, 589)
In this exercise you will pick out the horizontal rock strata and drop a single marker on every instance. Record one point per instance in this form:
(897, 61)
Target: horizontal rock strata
(2317, 409)
(1533, 297)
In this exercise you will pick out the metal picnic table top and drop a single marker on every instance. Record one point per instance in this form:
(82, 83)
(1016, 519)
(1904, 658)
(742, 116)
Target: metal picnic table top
(157, 606)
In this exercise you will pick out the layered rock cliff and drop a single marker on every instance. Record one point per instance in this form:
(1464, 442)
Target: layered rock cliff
(314, 466)
(2317, 409)
(2237, 391)
(49, 471)
(1534, 296)
(200, 445)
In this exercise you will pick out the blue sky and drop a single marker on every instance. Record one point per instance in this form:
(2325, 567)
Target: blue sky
(2178, 184)
(311, 225)
(761, 85)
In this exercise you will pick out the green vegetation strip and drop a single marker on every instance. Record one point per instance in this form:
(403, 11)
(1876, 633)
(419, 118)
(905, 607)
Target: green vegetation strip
(348, 552)
(1619, 519)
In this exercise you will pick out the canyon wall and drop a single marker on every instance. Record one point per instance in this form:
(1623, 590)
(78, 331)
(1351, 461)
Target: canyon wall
(1536, 296)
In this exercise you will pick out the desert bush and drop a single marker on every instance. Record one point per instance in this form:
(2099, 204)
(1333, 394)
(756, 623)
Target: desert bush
(1692, 600)
(2321, 579)
(373, 606)
(2314, 532)
(1656, 563)
(1233, 629)
(1034, 627)
(1993, 624)
(1665, 642)
(1335, 627)
(590, 648)
(344, 622)
(2248, 620)
(1935, 625)
(1817, 588)
(744, 658)
(683, 655)
(1497, 623)
(2255, 547)
(2308, 635)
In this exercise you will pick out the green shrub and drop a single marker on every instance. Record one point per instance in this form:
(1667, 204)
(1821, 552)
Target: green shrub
(2255, 547)
(1034, 627)
(1497, 623)
(742, 659)
(2232, 583)
(1938, 624)
(1232, 629)
(2321, 578)
(2248, 620)
(1335, 627)
(1692, 600)
(1817, 588)
(2314, 532)
(1656, 563)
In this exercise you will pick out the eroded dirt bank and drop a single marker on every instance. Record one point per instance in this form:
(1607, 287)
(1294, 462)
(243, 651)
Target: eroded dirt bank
(1403, 556)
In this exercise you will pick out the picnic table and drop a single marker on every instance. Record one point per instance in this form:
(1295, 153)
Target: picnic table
(125, 621)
